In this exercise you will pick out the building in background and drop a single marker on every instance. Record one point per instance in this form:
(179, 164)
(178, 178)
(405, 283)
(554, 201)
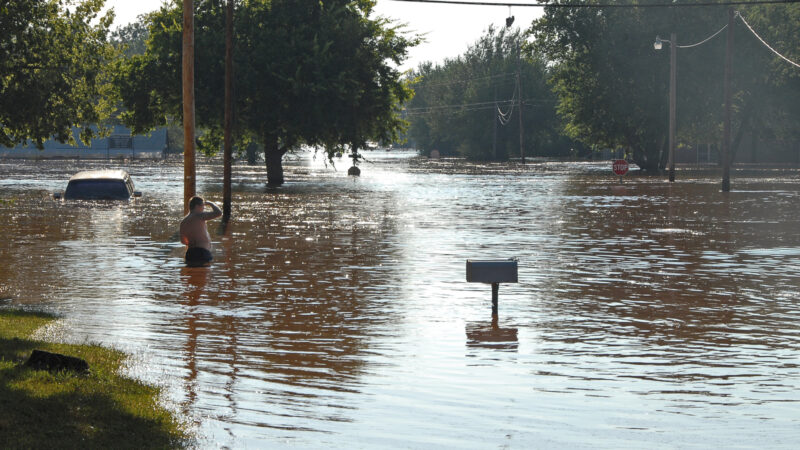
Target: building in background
(120, 144)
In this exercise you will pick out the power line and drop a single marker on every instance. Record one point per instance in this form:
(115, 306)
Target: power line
(463, 105)
(505, 118)
(466, 80)
(764, 42)
(469, 107)
(603, 5)
(704, 40)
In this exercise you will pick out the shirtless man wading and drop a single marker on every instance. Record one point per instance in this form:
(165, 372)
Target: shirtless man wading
(194, 233)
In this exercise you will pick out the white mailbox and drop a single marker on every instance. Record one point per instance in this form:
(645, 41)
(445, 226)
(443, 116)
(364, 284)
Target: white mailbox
(492, 271)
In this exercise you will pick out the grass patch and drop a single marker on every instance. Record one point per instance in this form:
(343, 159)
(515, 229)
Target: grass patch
(39, 409)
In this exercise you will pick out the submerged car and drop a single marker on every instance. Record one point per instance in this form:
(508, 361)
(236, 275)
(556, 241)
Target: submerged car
(100, 185)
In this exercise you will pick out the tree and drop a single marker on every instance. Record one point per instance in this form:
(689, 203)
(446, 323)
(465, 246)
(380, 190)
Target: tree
(307, 73)
(454, 111)
(613, 87)
(131, 39)
(52, 60)
(767, 87)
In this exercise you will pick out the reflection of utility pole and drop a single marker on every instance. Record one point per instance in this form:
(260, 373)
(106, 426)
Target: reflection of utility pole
(519, 92)
(726, 127)
(188, 104)
(228, 150)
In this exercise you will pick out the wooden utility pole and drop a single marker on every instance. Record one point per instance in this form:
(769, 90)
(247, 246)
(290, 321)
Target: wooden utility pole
(519, 92)
(673, 79)
(228, 144)
(189, 178)
(726, 127)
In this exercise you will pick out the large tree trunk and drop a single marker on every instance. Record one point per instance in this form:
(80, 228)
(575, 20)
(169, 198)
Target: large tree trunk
(737, 140)
(648, 163)
(273, 157)
(663, 156)
(252, 156)
(650, 158)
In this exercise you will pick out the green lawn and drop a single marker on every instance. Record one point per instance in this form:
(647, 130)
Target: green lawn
(64, 410)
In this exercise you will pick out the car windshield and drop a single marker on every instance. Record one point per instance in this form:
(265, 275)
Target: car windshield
(97, 189)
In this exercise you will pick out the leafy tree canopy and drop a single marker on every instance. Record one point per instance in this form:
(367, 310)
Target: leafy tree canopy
(52, 59)
(613, 87)
(306, 72)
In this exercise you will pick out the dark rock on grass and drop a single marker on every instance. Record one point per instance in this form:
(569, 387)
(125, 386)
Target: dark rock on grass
(5, 296)
(55, 362)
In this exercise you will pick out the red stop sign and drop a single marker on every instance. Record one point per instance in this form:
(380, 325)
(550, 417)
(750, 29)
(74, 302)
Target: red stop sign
(620, 167)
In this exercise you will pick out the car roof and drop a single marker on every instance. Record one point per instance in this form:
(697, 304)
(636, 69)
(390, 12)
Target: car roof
(100, 175)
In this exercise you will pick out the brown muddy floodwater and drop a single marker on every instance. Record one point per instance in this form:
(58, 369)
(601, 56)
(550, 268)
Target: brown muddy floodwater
(336, 313)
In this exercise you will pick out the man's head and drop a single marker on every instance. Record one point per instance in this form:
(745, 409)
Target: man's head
(196, 204)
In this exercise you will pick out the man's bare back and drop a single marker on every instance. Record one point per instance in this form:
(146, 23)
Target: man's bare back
(194, 233)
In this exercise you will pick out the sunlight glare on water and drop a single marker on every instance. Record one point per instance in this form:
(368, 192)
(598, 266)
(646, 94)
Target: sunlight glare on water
(336, 313)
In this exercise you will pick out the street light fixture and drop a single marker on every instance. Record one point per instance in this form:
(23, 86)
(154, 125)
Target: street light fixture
(673, 45)
(672, 80)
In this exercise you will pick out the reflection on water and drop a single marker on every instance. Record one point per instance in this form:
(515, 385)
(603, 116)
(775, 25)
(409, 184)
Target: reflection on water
(336, 313)
(491, 335)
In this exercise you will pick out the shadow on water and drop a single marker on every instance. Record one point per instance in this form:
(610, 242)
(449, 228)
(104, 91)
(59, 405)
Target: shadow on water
(279, 323)
(491, 335)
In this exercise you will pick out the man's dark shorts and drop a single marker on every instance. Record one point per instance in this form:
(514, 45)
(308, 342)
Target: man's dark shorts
(198, 256)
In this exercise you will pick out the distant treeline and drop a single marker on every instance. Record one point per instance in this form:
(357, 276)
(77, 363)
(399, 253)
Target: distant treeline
(469, 106)
(592, 79)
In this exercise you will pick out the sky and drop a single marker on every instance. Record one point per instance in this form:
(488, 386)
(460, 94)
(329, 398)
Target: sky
(448, 29)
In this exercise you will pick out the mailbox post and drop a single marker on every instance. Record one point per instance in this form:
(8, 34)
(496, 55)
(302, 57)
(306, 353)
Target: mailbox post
(492, 272)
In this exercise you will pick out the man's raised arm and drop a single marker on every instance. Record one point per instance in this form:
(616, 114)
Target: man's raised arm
(214, 213)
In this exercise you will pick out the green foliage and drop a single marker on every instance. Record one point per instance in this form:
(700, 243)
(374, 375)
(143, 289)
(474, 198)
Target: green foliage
(453, 109)
(306, 72)
(767, 87)
(64, 410)
(52, 59)
(131, 39)
(613, 86)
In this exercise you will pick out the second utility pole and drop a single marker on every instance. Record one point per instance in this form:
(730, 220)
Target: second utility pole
(673, 69)
(726, 126)
(519, 92)
(228, 145)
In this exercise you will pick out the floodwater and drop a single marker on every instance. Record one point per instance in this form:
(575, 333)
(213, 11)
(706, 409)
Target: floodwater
(336, 313)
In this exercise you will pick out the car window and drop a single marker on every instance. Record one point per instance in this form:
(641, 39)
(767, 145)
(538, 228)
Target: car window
(97, 189)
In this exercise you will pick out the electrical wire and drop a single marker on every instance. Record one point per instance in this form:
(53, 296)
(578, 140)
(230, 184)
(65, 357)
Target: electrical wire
(463, 105)
(448, 83)
(504, 118)
(604, 5)
(764, 42)
(704, 40)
